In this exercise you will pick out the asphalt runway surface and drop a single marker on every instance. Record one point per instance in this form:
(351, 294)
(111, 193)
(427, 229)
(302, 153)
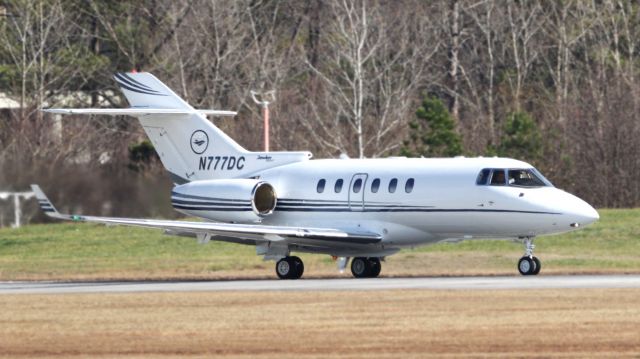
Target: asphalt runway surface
(440, 283)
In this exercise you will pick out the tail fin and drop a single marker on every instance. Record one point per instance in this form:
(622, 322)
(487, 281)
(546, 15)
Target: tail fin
(183, 142)
(190, 146)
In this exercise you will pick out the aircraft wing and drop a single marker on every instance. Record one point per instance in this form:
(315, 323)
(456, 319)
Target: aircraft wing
(134, 111)
(247, 231)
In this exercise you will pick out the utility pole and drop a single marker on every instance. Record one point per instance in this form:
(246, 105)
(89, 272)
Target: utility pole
(17, 209)
(263, 99)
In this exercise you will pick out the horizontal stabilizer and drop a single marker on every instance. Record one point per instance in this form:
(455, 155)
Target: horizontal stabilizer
(135, 111)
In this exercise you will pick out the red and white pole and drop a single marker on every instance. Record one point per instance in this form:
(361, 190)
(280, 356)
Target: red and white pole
(263, 99)
(265, 115)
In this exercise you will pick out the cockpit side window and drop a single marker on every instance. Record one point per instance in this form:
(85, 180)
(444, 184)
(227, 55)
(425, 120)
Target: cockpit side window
(524, 178)
(517, 177)
(498, 178)
(483, 176)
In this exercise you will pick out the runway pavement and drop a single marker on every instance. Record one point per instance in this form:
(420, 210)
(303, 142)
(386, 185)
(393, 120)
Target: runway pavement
(448, 283)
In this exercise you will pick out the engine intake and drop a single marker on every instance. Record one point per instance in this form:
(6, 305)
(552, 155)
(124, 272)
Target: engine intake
(227, 200)
(264, 199)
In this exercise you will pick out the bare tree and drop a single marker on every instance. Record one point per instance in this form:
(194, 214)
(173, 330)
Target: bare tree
(524, 25)
(373, 65)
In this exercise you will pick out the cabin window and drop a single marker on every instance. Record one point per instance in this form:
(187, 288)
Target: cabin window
(498, 178)
(392, 185)
(524, 178)
(338, 187)
(321, 184)
(357, 185)
(375, 185)
(483, 176)
(408, 187)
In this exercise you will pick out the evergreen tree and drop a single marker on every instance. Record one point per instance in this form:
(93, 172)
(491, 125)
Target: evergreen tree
(432, 132)
(521, 138)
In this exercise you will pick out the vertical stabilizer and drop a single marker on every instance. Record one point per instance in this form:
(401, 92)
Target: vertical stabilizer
(190, 146)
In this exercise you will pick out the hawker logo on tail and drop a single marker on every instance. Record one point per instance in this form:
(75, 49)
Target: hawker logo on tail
(199, 142)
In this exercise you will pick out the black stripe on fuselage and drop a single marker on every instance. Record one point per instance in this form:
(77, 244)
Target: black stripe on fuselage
(353, 204)
(305, 208)
(214, 209)
(176, 194)
(298, 205)
(357, 209)
(211, 203)
(368, 209)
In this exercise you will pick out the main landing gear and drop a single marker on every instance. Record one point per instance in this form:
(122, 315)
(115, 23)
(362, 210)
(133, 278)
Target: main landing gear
(362, 267)
(289, 268)
(529, 264)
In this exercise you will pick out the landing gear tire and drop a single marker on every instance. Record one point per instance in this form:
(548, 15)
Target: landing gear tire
(529, 266)
(375, 266)
(360, 267)
(299, 266)
(289, 268)
(538, 265)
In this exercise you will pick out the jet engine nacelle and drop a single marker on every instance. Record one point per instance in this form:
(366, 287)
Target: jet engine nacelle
(226, 200)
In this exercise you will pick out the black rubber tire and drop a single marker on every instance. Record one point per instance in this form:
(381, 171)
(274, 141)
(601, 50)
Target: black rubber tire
(537, 264)
(376, 267)
(360, 267)
(299, 267)
(526, 266)
(285, 268)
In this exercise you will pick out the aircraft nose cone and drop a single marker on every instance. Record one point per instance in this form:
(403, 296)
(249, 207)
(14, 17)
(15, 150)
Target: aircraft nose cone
(581, 213)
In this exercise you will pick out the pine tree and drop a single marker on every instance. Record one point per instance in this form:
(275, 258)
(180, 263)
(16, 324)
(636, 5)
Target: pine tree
(521, 138)
(432, 132)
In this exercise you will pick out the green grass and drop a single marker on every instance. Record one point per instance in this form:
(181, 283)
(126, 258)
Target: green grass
(85, 251)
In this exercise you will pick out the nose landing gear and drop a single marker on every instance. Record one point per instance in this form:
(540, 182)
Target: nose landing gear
(529, 264)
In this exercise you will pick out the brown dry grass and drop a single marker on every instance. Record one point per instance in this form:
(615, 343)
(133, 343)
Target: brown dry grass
(359, 324)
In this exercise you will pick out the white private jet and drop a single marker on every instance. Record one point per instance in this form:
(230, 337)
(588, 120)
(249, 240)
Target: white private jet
(365, 209)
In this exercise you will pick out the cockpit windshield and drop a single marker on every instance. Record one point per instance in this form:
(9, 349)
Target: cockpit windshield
(517, 177)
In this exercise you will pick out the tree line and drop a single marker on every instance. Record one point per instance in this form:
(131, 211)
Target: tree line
(551, 82)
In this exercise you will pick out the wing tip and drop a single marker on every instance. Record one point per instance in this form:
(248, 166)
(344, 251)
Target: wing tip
(45, 204)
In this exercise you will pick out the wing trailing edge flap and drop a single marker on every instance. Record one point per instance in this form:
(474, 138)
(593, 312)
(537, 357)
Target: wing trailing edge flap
(246, 231)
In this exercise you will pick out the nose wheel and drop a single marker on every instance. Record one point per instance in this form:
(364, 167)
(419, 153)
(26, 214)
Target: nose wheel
(529, 264)
(289, 268)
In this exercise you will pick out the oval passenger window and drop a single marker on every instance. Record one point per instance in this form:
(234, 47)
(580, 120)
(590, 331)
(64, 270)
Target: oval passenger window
(321, 184)
(392, 185)
(338, 186)
(408, 187)
(357, 185)
(375, 185)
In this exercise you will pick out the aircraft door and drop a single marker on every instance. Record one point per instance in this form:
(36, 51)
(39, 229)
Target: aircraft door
(356, 191)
